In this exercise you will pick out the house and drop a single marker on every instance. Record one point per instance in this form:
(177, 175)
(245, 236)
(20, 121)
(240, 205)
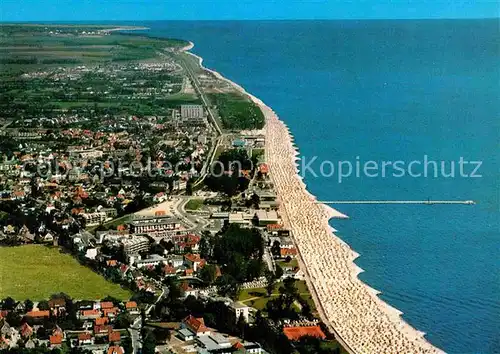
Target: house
(38, 314)
(196, 325)
(56, 340)
(30, 344)
(85, 339)
(131, 307)
(101, 321)
(90, 314)
(288, 252)
(102, 330)
(114, 337)
(112, 312)
(6, 330)
(106, 305)
(296, 333)
(26, 330)
(240, 309)
(174, 260)
(188, 290)
(115, 349)
(4, 343)
(194, 261)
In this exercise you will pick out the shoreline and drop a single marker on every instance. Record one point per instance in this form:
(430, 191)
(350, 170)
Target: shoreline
(353, 311)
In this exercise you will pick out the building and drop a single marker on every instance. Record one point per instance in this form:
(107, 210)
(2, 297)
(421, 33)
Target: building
(266, 217)
(192, 111)
(93, 219)
(194, 261)
(134, 245)
(85, 339)
(151, 261)
(296, 333)
(240, 309)
(196, 325)
(239, 218)
(186, 334)
(214, 343)
(154, 225)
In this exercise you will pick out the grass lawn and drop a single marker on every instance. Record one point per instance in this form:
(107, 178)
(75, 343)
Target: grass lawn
(257, 297)
(35, 272)
(293, 263)
(194, 204)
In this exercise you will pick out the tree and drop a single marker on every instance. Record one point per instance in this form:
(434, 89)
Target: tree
(126, 343)
(149, 342)
(278, 272)
(43, 305)
(162, 335)
(209, 273)
(276, 249)
(189, 187)
(28, 305)
(205, 248)
(8, 304)
(271, 282)
(123, 321)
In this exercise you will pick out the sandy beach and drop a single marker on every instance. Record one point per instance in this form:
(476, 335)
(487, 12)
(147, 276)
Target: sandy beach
(360, 320)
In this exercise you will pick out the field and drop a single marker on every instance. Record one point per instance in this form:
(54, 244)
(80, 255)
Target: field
(35, 272)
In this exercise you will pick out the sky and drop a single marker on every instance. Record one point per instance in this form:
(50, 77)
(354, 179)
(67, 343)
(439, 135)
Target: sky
(122, 10)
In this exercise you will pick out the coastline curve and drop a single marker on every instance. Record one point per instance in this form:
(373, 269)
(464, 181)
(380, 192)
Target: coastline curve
(359, 319)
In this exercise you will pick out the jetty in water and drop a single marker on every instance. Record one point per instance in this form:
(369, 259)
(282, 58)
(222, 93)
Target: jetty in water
(428, 202)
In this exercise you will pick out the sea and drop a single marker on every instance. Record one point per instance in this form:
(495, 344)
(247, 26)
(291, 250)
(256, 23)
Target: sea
(358, 93)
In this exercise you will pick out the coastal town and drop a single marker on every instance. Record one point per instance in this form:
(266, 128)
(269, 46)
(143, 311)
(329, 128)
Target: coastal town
(138, 210)
(149, 205)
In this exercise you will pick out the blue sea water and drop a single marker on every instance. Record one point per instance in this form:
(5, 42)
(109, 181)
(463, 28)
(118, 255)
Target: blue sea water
(388, 91)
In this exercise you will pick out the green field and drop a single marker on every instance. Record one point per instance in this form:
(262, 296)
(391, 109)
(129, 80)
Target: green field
(35, 272)
(257, 297)
(194, 204)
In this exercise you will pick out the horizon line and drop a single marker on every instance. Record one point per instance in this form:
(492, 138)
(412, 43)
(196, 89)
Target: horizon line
(254, 20)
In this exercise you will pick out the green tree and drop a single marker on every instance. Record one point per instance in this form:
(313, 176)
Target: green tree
(149, 342)
(208, 273)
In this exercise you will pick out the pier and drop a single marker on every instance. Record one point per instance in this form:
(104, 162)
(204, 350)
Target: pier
(428, 202)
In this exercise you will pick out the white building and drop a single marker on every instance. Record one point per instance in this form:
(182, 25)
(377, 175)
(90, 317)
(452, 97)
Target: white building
(189, 111)
(240, 309)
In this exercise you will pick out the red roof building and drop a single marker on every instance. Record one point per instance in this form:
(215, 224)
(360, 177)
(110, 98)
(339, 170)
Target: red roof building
(197, 325)
(38, 314)
(114, 336)
(106, 305)
(115, 350)
(295, 333)
(26, 330)
(56, 340)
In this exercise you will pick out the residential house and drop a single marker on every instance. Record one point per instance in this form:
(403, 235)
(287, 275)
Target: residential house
(114, 336)
(26, 330)
(6, 330)
(194, 261)
(131, 307)
(115, 349)
(85, 339)
(196, 325)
